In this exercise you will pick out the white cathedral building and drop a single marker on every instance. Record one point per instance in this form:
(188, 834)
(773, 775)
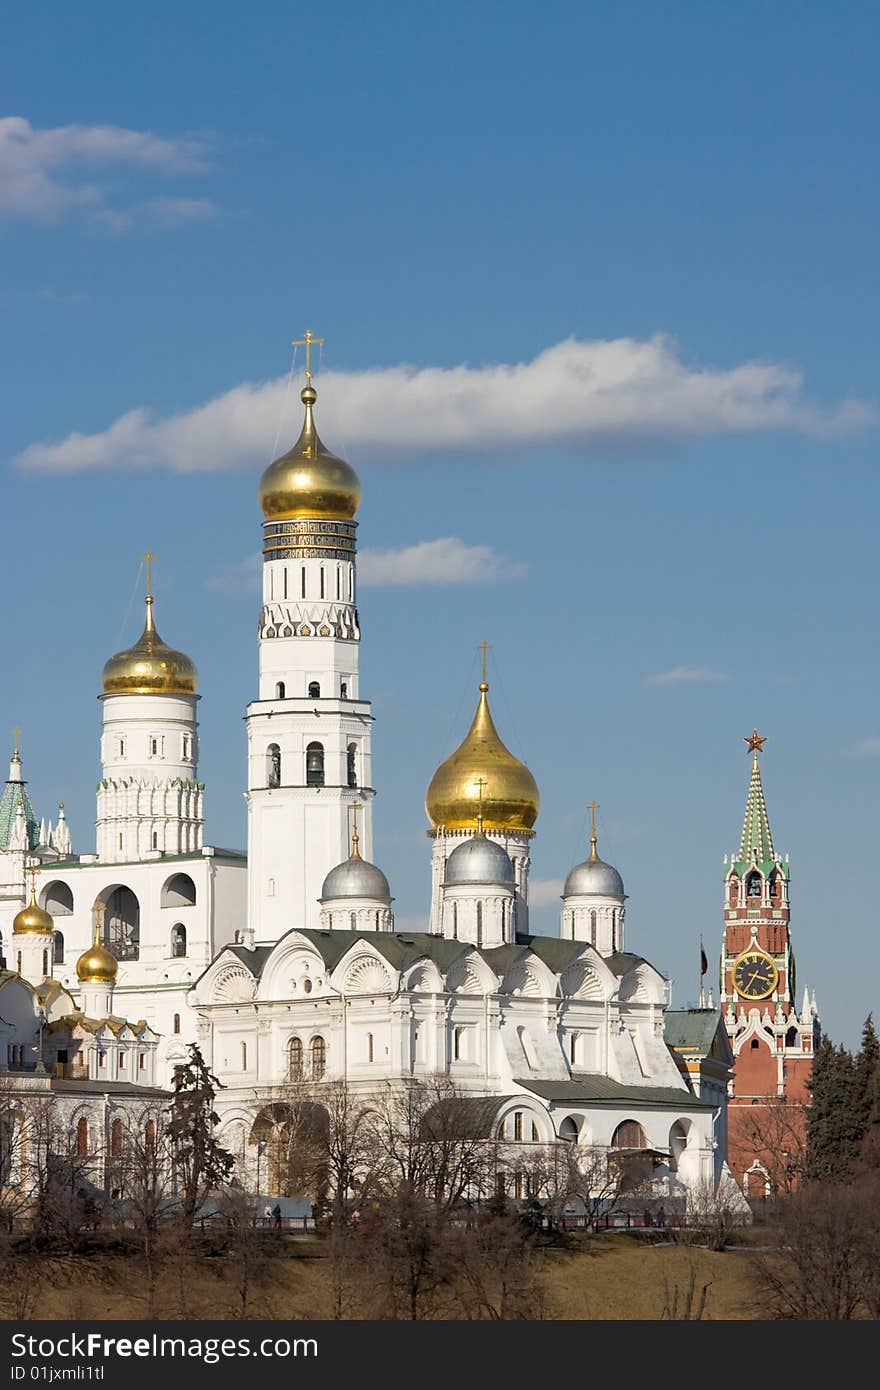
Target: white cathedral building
(286, 961)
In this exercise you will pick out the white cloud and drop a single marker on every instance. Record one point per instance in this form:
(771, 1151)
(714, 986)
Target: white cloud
(545, 892)
(688, 675)
(578, 397)
(444, 561)
(868, 748)
(41, 170)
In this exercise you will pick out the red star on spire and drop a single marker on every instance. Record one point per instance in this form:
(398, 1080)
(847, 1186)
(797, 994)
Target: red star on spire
(754, 741)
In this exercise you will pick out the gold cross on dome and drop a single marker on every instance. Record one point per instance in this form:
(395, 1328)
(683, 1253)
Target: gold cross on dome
(355, 838)
(308, 342)
(16, 734)
(148, 561)
(593, 807)
(485, 648)
(754, 742)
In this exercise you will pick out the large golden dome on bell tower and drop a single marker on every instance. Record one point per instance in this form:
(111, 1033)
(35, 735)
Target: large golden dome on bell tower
(309, 481)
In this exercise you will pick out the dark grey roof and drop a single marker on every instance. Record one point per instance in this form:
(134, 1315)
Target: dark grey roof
(694, 1028)
(403, 949)
(589, 1088)
(621, 962)
(399, 949)
(107, 1088)
(254, 960)
(552, 950)
(463, 1117)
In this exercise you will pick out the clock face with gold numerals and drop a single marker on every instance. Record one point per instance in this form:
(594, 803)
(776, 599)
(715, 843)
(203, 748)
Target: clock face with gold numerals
(754, 975)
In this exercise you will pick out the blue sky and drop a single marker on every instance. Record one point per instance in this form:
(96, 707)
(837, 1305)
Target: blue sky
(599, 288)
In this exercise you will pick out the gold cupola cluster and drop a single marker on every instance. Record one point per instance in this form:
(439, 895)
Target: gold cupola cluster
(308, 481)
(150, 667)
(483, 778)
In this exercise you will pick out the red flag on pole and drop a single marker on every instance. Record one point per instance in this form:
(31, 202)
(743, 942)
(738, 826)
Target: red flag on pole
(704, 964)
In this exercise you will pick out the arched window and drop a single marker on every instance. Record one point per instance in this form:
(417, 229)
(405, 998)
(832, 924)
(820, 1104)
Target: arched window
(517, 1124)
(753, 886)
(314, 690)
(57, 899)
(155, 839)
(479, 924)
(150, 1138)
(59, 948)
(678, 1138)
(273, 765)
(45, 964)
(244, 1056)
(176, 1024)
(302, 582)
(322, 582)
(568, 1130)
(178, 891)
(295, 1058)
(733, 891)
(593, 928)
(343, 690)
(353, 921)
(629, 1135)
(318, 1050)
(178, 940)
(573, 1048)
(280, 690)
(369, 1047)
(116, 1139)
(455, 920)
(792, 1038)
(82, 1137)
(122, 924)
(458, 1045)
(315, 765)
(352, 764)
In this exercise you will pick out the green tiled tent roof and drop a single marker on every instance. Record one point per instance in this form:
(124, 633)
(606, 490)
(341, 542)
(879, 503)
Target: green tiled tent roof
(15, 795)
(756, 842)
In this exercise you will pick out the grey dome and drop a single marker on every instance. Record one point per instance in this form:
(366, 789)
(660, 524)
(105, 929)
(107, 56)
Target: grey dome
(479, 860)
(356, 878)
(594, 876)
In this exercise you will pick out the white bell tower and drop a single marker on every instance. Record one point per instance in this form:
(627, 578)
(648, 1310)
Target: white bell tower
(309, 730)
(149, 798)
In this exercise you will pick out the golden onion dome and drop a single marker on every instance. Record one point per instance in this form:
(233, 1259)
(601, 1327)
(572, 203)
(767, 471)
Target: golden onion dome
(96, 965)
(483, 775)
(32, 919)
(309, 481)
(150, 667)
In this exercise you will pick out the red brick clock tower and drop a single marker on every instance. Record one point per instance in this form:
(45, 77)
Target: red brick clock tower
(773, 1043)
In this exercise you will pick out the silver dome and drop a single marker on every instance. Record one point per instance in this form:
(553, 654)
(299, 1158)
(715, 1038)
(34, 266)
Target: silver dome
(479, 860)
(596, 877)
(356, 878)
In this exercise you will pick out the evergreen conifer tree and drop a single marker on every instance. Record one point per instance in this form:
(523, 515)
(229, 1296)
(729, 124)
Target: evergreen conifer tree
(834, 1120)
(201, 1165)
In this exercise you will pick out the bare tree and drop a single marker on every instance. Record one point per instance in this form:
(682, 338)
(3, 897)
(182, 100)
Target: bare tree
(775, 1133)
(827, 1265)
(143, 1172)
